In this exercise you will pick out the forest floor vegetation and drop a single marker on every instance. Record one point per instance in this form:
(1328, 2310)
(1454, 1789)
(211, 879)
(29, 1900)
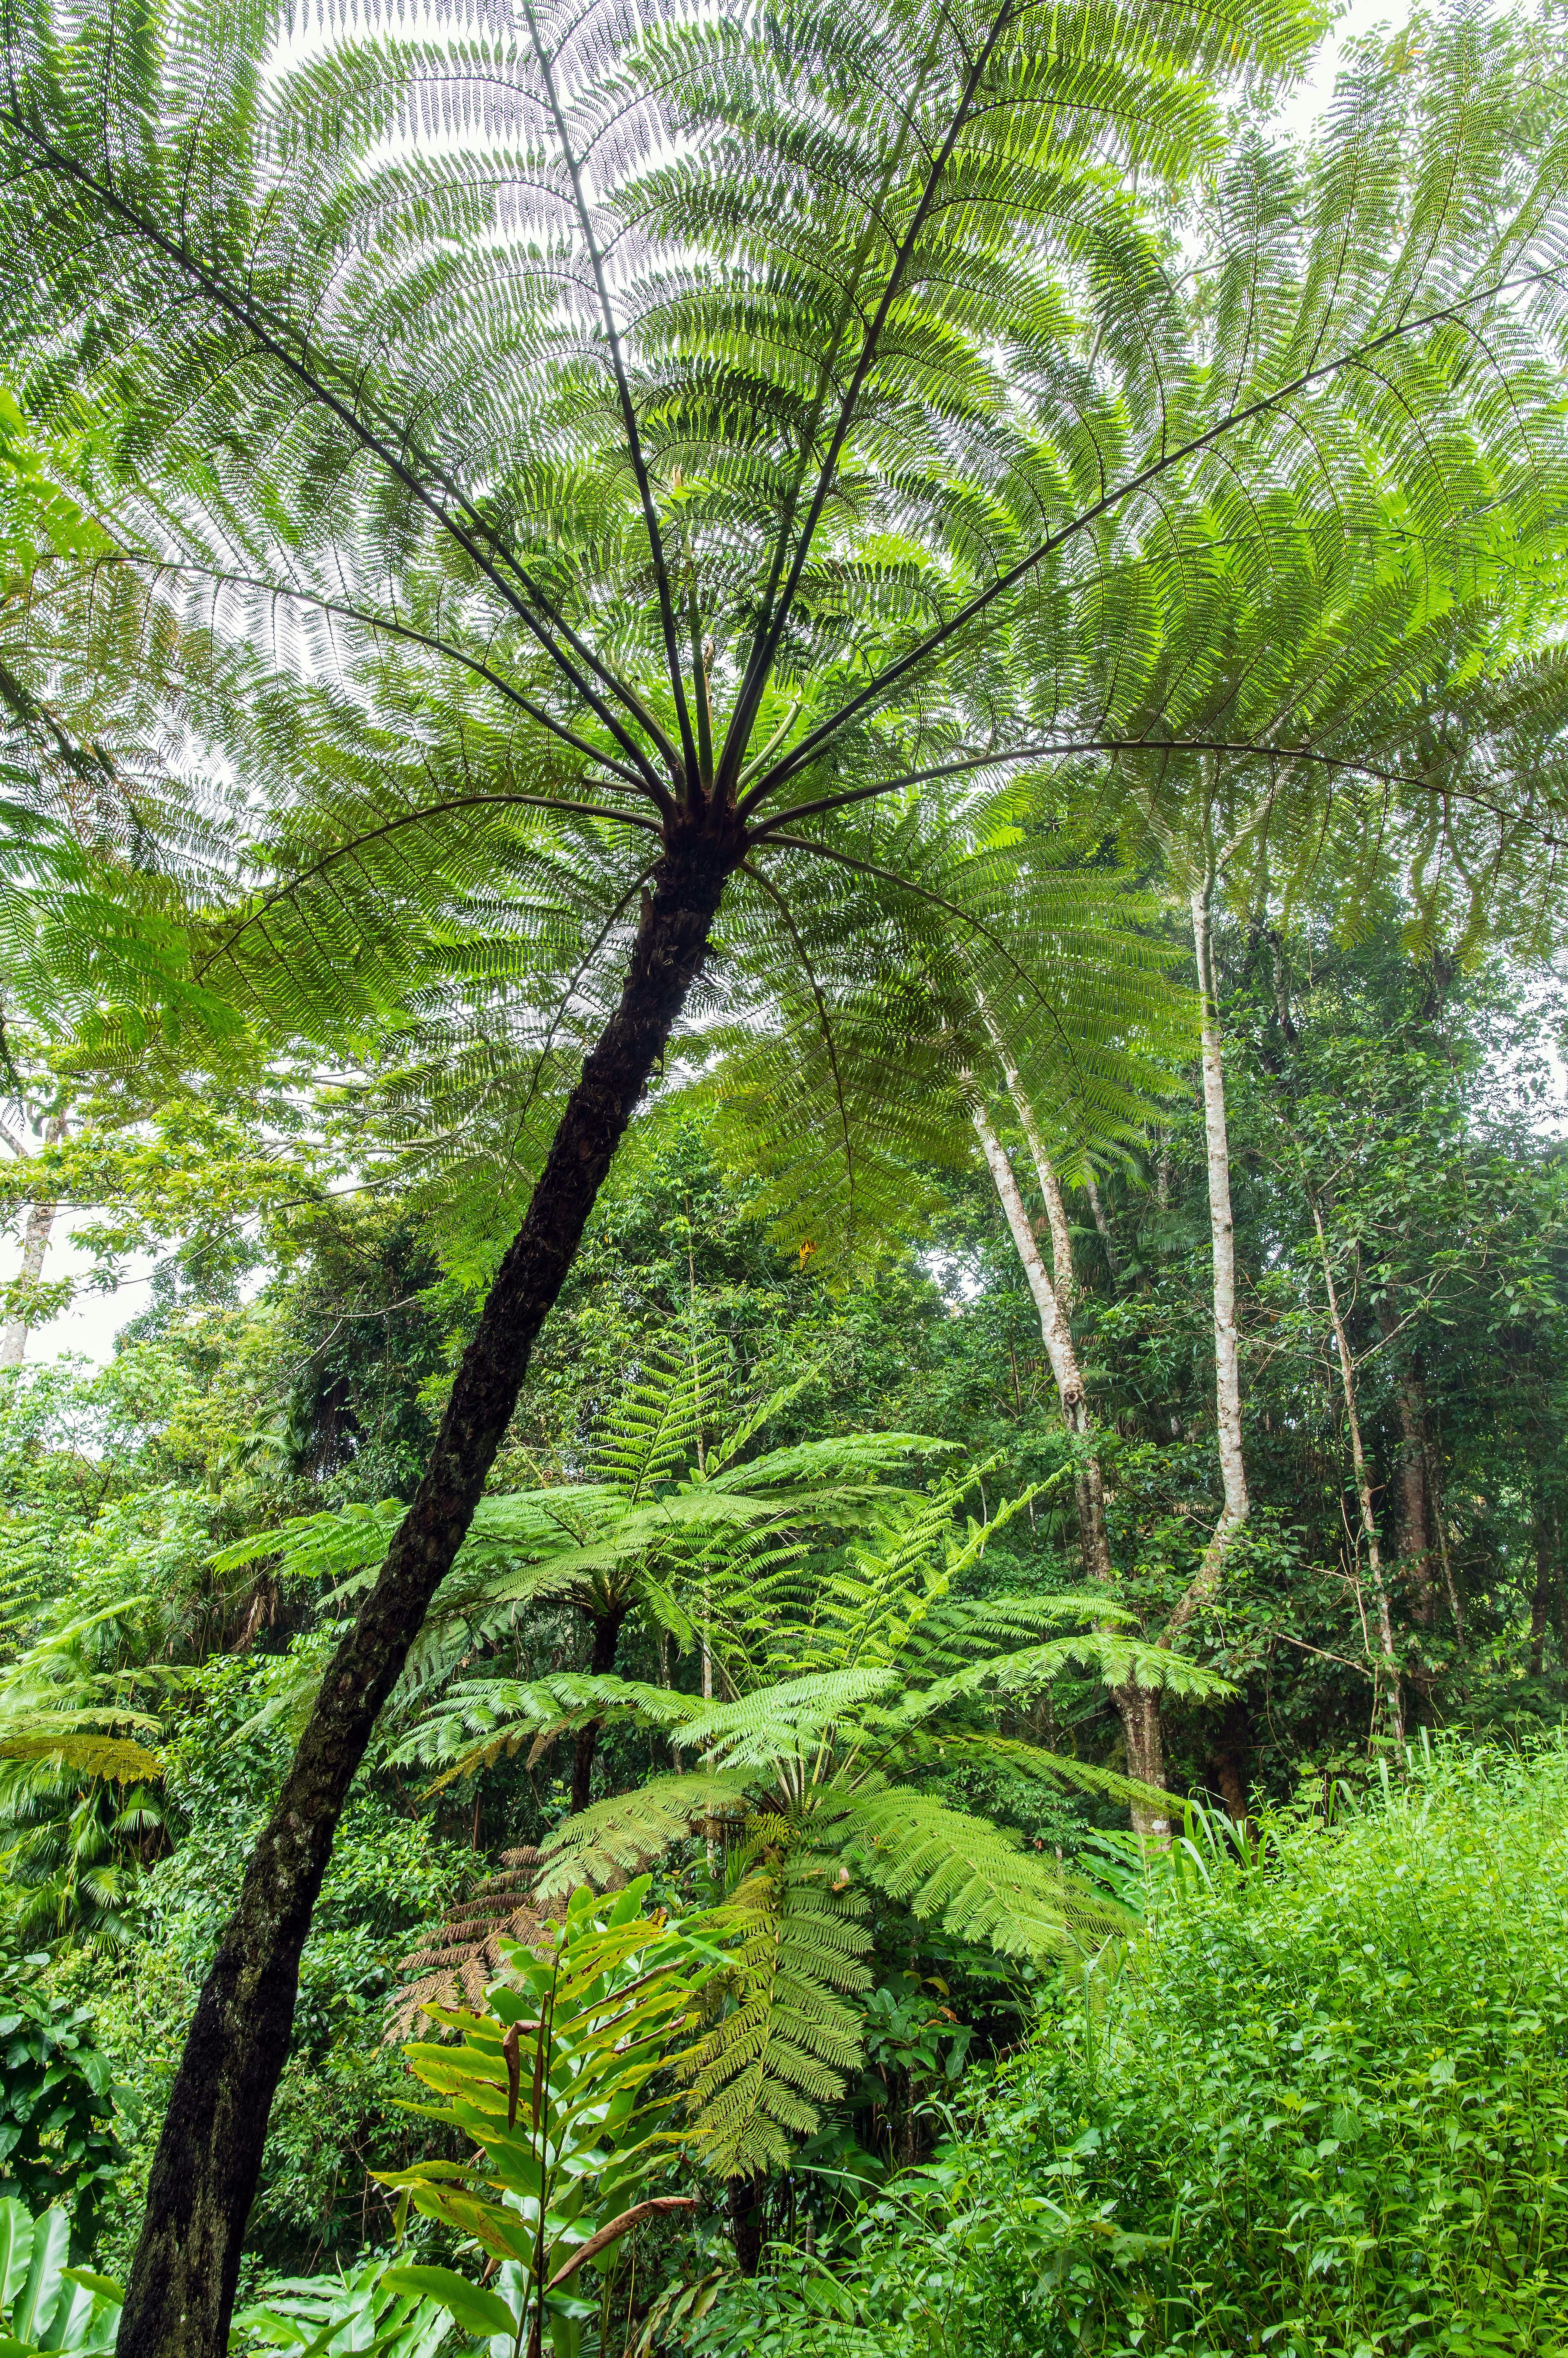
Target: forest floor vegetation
(1317, 2105)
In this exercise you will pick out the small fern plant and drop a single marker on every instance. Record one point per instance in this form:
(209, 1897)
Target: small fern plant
(809, 1782)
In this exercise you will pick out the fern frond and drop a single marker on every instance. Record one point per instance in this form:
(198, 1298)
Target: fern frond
(972, 1878)
(660, 1422)
(786, 2039)
(614, 1839)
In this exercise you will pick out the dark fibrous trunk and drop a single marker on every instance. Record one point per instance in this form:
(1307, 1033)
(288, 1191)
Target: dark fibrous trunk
(748, 2218)
(601, 1662)
(204, 2172)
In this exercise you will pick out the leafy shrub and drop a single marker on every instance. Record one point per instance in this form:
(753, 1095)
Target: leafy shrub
(57, 2145)
(1318, 2105)
(44, 2304)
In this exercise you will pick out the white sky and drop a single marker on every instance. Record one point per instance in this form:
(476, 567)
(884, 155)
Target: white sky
(89, 1327)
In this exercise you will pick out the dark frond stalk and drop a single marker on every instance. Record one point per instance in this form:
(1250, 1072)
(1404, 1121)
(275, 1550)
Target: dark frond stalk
(775, 617)
(205, 2170)
(392, 826)
(881, 684)
(538, 614)
(628, 417)
(389, 626)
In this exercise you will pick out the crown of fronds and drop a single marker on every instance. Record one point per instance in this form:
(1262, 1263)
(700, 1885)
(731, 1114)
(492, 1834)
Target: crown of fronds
(526, 440)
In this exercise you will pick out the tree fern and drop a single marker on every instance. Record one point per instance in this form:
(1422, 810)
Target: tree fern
(571, 462)
(676, 1510)
(851, 1690)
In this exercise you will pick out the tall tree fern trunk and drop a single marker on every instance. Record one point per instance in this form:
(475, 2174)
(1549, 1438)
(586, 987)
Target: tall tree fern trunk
(209, 2157)
(1137, 1707)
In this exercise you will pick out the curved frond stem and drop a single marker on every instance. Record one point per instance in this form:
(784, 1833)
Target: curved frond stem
(824, 1020)
(628, 414)
(953, 909)
(567, 996)
(414, 819)
(1060, 750)
(1358, 356)
(537, 612)
(385, 625)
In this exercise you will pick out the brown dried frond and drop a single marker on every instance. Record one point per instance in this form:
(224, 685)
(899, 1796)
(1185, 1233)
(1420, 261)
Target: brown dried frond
(454, 1968)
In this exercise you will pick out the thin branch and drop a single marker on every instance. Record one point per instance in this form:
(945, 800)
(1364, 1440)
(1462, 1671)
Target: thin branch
(1057, 750)
(953, 908)
(624, 903)
(1259, 749)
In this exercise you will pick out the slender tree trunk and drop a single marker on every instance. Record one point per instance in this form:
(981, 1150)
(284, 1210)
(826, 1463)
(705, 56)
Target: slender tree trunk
(204, 2171)
(1415, 1522)
(1390, 1668)
(1546, 1580)
(1138, 1707)
(1056, 1333)
(1106, 1233)
(1435, 1494)
(35, 1245)
(601, 1662)
(1229, 1757)
(1236, 1504)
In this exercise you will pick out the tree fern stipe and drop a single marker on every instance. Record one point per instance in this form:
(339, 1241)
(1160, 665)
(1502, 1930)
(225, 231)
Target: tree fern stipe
(616, 443)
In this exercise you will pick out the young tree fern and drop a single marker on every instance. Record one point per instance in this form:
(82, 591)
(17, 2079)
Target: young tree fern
(672, 1505)
(601, 445)
(844, 1696)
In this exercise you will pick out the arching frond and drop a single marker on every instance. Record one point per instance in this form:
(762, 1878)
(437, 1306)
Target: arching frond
(972, 1878)
(786, 2038)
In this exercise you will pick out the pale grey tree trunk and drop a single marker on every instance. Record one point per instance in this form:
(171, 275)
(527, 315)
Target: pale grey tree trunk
(1102, 1223)
(1236, 1503)
(1138, 1707)
(1388, 1668)
(35, 1245)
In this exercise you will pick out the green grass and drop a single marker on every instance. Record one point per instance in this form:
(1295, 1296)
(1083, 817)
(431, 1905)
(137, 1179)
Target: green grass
(1318, 2105)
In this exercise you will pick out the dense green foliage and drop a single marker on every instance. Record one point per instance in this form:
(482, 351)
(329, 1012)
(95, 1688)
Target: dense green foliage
(57, 2144)
(45, 2303)
(1065, 580)
(1319, 2103)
